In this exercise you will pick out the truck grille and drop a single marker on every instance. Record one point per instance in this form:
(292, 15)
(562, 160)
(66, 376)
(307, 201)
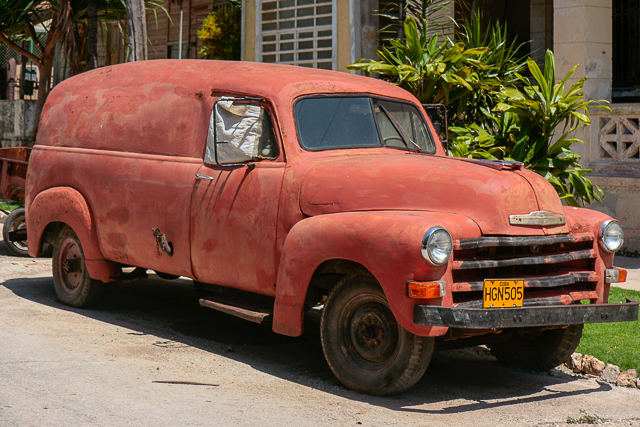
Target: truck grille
(556, 269)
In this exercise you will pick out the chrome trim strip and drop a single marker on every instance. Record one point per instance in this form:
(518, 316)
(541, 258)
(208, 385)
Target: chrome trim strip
(538, 218)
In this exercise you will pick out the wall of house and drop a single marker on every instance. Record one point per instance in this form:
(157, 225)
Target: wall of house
(17, 124)
(583, 36)
(355, 25)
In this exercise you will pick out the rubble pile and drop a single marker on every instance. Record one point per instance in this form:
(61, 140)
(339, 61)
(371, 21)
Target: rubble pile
(592, 367)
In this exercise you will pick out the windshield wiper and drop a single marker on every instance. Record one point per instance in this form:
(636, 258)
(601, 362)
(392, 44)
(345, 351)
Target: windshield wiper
(398, 129)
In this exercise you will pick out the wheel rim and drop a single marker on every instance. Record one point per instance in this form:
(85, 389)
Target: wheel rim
(19, 224)
(374, 332)
(70, 265)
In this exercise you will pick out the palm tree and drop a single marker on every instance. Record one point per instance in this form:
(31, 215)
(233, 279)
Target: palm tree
(64, 21)
(19, 17)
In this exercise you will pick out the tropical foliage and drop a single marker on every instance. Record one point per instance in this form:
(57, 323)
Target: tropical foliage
(64, 21)
(424, 11)
(534, 125)
(220, 34)
(434, 72)
(496, 112)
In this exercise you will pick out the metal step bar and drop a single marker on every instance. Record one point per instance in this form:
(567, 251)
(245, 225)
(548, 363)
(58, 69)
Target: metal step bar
(241, 312)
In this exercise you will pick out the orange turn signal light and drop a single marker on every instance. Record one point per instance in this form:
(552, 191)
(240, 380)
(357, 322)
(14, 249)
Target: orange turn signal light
(426, 290)
(622, 275)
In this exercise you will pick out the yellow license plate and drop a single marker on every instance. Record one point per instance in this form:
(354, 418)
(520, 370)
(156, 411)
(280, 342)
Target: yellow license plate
(502, 293)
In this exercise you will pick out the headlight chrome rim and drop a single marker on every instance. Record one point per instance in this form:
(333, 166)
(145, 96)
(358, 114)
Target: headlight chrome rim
(428, 239)
(604, 230)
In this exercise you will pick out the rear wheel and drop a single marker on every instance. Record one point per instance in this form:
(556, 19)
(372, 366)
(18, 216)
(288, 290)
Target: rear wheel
(71, 279)
(14, 222)
(537, 350)
(365, 347)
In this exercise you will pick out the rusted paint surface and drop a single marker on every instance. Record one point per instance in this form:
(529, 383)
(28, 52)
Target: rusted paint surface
(233, 226)
(422, 182)
(546, 259)
(548, 280)
(243, 313)
(46, 208)
(484, 242)
(13, 172)
(119, 147)
(387, 243)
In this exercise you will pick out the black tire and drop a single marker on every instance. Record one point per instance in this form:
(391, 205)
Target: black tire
(537, 350)
(166, 276)
(71, 279)
(365, 347)
(15, 221)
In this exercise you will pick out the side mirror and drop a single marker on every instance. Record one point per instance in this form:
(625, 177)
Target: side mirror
(240, 131)
(438, 115)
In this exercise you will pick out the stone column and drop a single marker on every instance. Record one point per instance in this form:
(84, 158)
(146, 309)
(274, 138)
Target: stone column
(583, 35)
(541, 29)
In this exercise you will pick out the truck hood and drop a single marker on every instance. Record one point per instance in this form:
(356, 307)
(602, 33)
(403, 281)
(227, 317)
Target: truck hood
(485, 192)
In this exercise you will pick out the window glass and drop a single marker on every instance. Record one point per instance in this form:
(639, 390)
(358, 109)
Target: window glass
(336, 122)
(408, 118)
(345, 122)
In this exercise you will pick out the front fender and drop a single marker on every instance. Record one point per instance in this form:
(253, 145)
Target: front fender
(387, 243)
(66, 205)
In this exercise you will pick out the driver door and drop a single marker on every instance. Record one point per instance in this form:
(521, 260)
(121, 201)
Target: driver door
(235, 199)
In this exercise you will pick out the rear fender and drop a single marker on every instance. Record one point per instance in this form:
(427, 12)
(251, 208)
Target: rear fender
(388, 244)
(67, 205)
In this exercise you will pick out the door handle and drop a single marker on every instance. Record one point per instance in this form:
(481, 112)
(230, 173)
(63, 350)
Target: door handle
(199, 176)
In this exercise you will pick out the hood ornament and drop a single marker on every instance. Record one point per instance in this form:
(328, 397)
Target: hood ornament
(537, 218)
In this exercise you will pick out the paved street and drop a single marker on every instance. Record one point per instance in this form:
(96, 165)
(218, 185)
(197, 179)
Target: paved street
(150, 356)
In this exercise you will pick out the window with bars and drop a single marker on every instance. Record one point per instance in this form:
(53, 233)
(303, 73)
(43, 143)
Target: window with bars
(626, 51)
(297, 32)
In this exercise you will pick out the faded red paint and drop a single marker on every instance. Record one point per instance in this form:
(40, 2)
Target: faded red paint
(119, 147)
(13, 172)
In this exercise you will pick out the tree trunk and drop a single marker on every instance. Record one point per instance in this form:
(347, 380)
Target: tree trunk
(45, 68)
(137, 23)
(92, 30)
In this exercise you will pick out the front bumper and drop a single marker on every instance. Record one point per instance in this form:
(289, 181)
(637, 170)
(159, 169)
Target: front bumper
(498, 318)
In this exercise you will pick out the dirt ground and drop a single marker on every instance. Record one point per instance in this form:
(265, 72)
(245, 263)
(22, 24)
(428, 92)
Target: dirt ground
(148, 355)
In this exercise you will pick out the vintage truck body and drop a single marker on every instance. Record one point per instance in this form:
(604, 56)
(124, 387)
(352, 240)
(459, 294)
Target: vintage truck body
(335, 205)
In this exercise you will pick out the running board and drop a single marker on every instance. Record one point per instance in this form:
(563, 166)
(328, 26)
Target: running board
(243, 313)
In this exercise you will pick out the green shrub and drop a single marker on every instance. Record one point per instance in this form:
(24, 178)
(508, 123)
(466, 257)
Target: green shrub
(220, 34)
(524, 125)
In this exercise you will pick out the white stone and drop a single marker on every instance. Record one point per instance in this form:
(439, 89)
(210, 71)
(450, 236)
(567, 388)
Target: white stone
(610, 373)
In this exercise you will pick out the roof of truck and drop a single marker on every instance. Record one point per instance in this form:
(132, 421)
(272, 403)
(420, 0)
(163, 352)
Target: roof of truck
(164, 106)
(273, 81)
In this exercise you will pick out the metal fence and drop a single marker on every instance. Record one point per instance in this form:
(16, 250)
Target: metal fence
(25, 83)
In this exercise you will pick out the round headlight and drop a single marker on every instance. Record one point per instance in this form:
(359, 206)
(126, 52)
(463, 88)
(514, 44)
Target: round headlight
(437, 246)
(611, 235)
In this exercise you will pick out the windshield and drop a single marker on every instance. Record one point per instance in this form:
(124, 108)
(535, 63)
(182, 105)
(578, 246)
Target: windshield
(352, 122)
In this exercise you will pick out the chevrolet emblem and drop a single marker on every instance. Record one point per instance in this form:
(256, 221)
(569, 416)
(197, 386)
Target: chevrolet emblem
(537, 218)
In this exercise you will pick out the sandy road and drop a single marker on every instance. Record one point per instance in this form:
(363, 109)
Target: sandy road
(117, 364)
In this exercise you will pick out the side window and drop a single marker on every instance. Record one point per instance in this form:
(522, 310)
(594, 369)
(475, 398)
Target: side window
(239, 132)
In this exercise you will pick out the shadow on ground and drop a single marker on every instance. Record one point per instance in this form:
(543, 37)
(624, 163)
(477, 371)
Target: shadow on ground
(169, 310)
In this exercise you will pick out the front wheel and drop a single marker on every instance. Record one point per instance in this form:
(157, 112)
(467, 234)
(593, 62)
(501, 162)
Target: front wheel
(537, 350)
(71, 279)
(365, 347)
(14, 222)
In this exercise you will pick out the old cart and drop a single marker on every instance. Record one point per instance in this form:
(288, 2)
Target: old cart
(13, 173)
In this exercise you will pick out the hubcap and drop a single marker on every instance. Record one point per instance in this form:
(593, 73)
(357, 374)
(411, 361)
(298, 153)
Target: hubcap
(374, 332)
(70, 265)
